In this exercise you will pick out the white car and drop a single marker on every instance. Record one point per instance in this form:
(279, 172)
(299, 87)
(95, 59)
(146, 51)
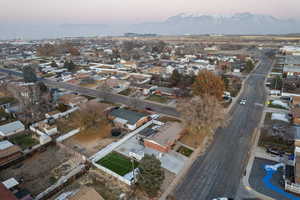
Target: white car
(243, 101)
(155, 116)
(222, 198)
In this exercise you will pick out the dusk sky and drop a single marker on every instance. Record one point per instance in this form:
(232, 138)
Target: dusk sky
(134, 11)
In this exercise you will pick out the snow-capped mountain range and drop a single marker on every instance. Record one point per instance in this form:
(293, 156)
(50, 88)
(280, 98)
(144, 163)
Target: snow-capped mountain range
(240, 23)
(181, 24)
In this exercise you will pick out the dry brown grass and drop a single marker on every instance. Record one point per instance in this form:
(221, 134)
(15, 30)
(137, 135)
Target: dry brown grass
(192, 140)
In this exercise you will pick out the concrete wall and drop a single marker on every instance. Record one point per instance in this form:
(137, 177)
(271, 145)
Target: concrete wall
(67, 135)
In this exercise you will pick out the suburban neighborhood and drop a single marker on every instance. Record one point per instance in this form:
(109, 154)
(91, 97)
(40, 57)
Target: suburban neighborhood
(150, 117)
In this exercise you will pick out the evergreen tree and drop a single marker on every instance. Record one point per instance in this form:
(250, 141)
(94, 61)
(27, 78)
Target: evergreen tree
(151, 175)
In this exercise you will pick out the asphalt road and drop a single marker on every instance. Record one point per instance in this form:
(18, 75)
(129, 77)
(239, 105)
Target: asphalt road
(115, 98)
(218, 172)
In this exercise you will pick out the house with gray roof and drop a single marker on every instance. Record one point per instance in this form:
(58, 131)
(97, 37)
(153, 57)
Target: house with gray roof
(11, 129)
(128, 118)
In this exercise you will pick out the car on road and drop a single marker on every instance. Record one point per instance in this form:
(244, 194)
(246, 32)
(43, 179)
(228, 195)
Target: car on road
(222, 198)
(243, 101)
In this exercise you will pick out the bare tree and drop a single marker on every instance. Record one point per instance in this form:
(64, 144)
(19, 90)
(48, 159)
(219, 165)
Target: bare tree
(202, 115)
(33, 100)
(91, 118)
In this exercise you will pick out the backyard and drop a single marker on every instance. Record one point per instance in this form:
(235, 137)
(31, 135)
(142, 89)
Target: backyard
(117, 163)
(36, 170)
(90, 142)
(24, 140)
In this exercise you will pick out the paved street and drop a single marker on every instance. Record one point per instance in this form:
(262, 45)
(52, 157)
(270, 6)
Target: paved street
(219, 171)
(115, 98)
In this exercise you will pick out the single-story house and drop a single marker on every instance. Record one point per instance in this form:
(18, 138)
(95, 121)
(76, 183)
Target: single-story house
(11, 129)
(128, 118)
(72, 99)
(8, 152)
(162, 138)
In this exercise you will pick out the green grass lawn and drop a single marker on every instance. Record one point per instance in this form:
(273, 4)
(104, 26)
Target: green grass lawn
(117, 163)
(156, 98)
(185, 151)
(24, 141)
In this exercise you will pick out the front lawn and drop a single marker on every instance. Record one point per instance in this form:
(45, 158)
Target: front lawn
(185, 151)
(117, 163)
(157, 98)
(277, 142)
(24, 141)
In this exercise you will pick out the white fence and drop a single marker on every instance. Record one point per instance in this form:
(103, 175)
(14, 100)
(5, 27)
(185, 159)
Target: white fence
(67, 135)
(121, 178)
(59, 115)
(111, 147)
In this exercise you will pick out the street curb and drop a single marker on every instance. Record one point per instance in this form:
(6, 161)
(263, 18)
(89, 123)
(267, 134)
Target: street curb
(245, 179)
(196, 153)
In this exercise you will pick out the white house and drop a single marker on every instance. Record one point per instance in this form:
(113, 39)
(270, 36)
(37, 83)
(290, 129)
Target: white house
(11, 128)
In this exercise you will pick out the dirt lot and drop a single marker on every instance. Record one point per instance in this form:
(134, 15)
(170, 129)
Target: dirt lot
(88, 143)
(108, 187)
(36, 170)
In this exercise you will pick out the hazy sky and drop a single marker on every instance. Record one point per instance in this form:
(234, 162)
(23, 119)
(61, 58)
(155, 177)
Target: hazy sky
(134, 11)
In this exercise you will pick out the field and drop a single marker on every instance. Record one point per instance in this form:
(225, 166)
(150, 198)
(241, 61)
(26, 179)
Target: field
(117, 163)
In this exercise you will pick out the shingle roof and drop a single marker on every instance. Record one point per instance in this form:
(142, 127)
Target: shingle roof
(131, 116)
(11, 127)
